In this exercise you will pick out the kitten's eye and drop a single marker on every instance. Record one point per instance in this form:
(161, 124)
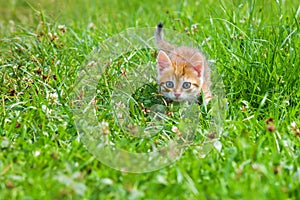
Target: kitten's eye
(169, 84)
(186, 85)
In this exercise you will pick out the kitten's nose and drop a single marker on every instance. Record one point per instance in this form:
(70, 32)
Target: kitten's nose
(177, 95)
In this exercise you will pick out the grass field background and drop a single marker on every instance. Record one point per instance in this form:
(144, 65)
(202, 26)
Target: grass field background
(255, 46)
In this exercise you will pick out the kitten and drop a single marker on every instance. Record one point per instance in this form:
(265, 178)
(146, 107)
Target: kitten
(183, 72)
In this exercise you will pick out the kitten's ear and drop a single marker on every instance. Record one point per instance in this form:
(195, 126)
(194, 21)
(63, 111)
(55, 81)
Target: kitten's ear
(163, 61)
(197, 61)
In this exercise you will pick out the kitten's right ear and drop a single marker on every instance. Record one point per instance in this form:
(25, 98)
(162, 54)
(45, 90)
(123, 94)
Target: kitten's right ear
(163, 61)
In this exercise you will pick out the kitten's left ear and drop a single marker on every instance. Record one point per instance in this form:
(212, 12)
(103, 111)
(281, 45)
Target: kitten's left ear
(197, 62)
(163, 61)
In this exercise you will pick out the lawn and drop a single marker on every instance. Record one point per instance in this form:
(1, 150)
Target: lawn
(244, 145)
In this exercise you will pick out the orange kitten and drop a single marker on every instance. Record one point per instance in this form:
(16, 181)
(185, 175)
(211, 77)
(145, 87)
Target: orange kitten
(183, 72)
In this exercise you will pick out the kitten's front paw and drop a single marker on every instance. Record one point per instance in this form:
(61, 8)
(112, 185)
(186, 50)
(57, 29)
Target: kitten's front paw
(206, 100)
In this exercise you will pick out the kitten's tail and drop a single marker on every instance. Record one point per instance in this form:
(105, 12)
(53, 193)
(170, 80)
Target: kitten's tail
(159, 39)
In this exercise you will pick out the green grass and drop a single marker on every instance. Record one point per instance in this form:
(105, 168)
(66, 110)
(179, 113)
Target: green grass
(255, 45)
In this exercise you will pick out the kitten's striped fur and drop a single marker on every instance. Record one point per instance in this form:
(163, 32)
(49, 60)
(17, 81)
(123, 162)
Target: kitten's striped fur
(183, 72)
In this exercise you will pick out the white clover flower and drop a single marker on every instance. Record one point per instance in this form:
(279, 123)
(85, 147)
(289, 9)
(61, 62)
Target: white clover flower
(175, 129)
(62, 28)
(294, 125)
(105, 127)
(36, 153)
(52, 98)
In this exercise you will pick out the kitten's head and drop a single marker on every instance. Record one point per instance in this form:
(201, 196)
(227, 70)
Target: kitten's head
(180, 79)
